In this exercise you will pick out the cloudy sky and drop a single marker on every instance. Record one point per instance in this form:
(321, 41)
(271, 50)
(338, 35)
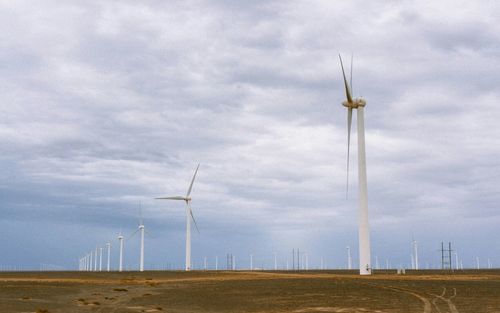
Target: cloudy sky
(108, 104)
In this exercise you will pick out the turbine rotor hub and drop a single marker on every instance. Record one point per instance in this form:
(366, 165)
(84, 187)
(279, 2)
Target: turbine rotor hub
(356, 103)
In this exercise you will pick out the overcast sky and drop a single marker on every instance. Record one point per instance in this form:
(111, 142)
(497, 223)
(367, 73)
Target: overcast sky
(107, 104)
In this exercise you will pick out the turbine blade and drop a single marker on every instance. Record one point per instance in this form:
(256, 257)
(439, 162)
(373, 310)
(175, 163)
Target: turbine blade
(192, 217)
(140, 212)
(350, 78)
(133, 234)
(148, 233)
(172, 198)
(347, 91)
(192, 181)
(349, 123)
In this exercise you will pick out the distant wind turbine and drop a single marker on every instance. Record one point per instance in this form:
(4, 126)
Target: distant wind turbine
(108, 245)
(364, 228)
(141, 230)
(349, 259)
(189, 217)
(100, 259)
(95, 259)
(120, 240)
(415, 253)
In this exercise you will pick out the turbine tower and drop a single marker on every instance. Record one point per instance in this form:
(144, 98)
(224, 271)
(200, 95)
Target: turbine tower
(95, 260)
(90, 261)
(415, 253)
(141, 230)
(120, 240)
(364, 228)
(109, 255)
(141, 260)
(349, 259)
(189, 217)
(100, 259)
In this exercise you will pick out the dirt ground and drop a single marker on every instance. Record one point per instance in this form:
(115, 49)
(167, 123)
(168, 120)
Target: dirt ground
(229, 291)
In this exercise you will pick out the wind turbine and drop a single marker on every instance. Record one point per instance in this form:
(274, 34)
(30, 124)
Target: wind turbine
(189, 217)
(415, 253)
(349, 259)
(109, 254)
(120, 240)
(364, 228)
(100, 259)
(95, 260)
(141, 229)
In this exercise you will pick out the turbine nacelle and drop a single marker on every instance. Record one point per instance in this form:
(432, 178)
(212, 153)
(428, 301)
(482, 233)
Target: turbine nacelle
(357, 102)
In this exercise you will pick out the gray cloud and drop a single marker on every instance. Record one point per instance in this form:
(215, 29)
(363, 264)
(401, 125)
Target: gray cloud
(110, 104)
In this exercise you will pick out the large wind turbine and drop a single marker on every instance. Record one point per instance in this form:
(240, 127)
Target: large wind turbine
(189, 217)
(364, 228)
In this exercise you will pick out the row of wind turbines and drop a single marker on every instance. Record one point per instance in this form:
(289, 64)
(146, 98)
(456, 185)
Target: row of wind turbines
(89, 262)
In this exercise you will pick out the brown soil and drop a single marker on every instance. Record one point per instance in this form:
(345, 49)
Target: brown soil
(199, 291)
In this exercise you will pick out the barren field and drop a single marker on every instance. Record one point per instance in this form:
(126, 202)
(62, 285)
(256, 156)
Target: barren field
(198, 291)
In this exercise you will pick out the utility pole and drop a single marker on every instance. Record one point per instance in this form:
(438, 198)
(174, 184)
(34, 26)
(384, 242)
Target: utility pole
(446, 257)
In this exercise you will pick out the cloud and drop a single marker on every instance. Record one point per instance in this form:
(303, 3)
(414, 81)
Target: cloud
(110, 104)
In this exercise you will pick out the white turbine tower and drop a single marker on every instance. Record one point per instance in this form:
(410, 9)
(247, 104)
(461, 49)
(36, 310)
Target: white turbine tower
(95, 259)
(189, 217)
(349, 259)
(100, 259)
(109, 255)
(364, 228)
(120, 240)
(141, 260)
(415, 253)
(141, 230)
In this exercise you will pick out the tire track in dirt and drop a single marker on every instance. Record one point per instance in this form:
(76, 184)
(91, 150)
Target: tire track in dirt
(427, 303)
(451, 306)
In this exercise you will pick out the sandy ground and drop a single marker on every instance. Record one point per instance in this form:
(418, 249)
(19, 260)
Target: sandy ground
(199, 291)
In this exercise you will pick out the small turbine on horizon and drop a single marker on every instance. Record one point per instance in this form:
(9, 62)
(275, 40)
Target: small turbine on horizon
(189, 217)
(141, 229)
(415, 253)
(120, 240)
(108, 245)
